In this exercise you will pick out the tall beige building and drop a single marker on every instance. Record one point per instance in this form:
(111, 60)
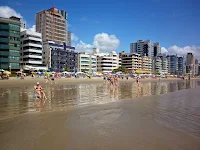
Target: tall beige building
(52, 23)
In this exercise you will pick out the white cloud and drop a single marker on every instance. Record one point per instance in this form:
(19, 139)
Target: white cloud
(7, 12)
(83, 47)
(102, 41)
(106, 42)
(164, 50)
(182, 51)
(33, 28)
(74, 37)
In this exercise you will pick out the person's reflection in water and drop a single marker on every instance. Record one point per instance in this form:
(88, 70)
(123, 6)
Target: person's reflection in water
(115, 92)
(39, 104)
(138, 89)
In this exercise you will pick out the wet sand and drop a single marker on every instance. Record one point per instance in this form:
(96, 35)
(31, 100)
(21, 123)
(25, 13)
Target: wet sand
(82, 115)
(124, 125)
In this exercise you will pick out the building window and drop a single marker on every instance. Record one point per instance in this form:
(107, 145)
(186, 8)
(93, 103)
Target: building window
(14, 26)
(14, 64)
(14, 45)
(14, 38)
(14, 58)
(14, 32)
(14, 51)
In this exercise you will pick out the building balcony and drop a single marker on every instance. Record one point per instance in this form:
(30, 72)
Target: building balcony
(2, 46)
(14, 61)
(5, 40)
(2, 53)
(32, 62)
(31, 44)
(4, 33)
(4, 60)
(13, 41)
(14, 54)
(14, 35)
(33, 50)
(14, 48)
(33, 39)
(33, 56)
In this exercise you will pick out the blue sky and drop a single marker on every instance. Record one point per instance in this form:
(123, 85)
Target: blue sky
(170, 22)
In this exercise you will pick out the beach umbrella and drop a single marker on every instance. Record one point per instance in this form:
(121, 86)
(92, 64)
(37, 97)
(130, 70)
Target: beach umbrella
(8, 72)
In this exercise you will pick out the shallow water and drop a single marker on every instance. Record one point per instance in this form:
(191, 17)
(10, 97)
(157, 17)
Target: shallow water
(164, 122)
(15, 101)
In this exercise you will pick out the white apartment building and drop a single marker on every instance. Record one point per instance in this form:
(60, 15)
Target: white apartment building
(107, 62)
(134, 62)
(160, 64)
(31, 50)
(87, 62)
(146, 63)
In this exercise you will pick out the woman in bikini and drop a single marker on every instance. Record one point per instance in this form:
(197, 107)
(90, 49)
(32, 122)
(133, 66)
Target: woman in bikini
(39, 90)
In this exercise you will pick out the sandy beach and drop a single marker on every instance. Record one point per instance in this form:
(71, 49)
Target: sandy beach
(16, 82)
(167, 118)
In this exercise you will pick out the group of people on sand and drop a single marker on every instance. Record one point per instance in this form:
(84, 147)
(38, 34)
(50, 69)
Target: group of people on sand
(113, 80)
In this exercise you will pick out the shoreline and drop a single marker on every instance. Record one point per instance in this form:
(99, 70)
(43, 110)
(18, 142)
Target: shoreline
(12, 83)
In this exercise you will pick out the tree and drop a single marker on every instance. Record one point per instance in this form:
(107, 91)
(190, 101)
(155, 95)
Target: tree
(66, 68)
(121, 68)
(84, 70)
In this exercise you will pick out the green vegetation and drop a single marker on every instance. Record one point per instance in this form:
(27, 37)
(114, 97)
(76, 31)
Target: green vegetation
(66, 68)
(121, 68)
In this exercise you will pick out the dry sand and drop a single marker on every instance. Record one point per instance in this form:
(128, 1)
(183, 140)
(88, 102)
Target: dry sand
(14, 82)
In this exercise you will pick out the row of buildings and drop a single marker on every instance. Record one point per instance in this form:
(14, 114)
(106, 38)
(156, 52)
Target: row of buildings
(49, 48)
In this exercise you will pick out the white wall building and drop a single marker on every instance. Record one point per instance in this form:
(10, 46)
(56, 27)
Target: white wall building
(160, 64)
(31, 50)
(23, 24)
(87, 62)
(107, 62)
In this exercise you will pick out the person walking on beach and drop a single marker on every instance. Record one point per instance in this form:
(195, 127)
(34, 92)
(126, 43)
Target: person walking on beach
(47, 77)
(40, 91)
(116, 80)
(137, 80)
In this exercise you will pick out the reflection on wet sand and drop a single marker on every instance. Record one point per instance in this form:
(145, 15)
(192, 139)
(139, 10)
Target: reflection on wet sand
(61, 97)
(158, 122)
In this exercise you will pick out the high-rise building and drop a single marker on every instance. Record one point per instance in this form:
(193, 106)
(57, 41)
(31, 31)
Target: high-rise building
(190, 64)
(58, 57)
(175, 64)
(69, 34)
(107, 62)
(156, 49)
(145, 48)
(172, 64)
(52, 23)
(181, 66)
(31, 51)
(160, 64)
(87, 62)
(10, 43)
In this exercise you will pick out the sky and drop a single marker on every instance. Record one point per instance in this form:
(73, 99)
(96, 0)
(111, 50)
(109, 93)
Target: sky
(114, 24)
